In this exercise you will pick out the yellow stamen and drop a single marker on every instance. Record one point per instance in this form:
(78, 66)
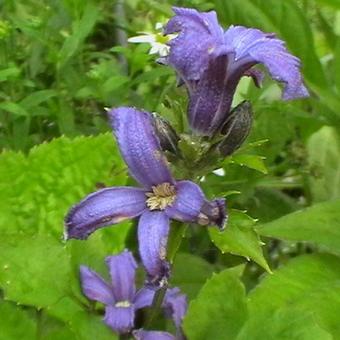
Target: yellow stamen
(123, 304)
(162, 195)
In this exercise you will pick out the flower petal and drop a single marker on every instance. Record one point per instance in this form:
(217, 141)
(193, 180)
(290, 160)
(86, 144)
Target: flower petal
(252, 44)
(199, 34)
(120, 319)
(214, 213)
(102, 208)
(188, 202)
(140, 146)
(175, 305)
(94, 287)
(122, 269)
(153, 229)
(144, 298)
(140, 334)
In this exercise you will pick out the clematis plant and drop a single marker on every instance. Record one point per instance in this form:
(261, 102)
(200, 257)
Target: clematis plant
(162, 197)
(211, 61)
(121, 299)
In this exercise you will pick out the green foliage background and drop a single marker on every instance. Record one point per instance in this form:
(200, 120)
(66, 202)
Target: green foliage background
(276, 273)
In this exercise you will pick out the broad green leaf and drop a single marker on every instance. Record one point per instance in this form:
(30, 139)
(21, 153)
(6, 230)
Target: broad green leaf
(16, 323)
(190, 273)
(251, 161)
(319, 224)
(219, 310)
(36, 98)
(37, 191)
(13, 108)
(88, 327)
(240, 238)
(309, 284)
(324, 163)
(34, 270)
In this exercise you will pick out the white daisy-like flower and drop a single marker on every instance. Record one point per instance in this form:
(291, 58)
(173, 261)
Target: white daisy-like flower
(156, 40)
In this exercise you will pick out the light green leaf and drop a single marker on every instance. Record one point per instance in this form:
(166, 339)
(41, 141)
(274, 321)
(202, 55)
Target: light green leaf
(305, 291)
(200, 270)
(219, 310)
(324, 162)
(34, 270)
(14, 108)
(36, 98)
(319, 224)
(251, 161)
(16, 323)
(37, 191)
(240, 238)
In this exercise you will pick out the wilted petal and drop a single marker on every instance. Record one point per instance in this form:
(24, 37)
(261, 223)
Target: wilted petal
(122, 269)
(153, 229)
(256, 75)
(144, 298)
(102, 208)
(140, 334)
(199, 35)
(254, 45)
(120, 319)
(188, 202)
(140, 146)
(175, 305)
(94, 287)
(214, 213)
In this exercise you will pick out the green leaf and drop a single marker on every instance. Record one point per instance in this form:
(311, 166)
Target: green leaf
(324, 162)
(251, 161)
(16, 323)
(36, 98)
(34, 270)
(319, 224)
(14, 108)
(240, 238)
(37, 191)
(305, 291)
(219, 310)
(190, 283)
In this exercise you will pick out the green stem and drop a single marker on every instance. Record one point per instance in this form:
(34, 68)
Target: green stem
(156, 304)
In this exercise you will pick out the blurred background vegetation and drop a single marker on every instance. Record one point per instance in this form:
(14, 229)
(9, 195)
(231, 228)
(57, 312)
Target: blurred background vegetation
(62, 62)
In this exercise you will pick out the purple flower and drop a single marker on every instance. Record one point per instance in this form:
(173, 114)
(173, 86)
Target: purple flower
(120, 297)
(162, 198)
(141, 334)
(211, 62)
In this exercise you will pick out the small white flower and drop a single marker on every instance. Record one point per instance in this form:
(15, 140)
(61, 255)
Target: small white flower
(156, 40)
(219, 172)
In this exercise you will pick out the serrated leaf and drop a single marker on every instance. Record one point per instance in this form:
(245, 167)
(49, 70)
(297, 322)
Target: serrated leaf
(37, 191)
(240, 238)
(307, 286)
(324, 163)
(16, 323)
(219, 310)
(319, 224)
(251, 161)
(34, 270)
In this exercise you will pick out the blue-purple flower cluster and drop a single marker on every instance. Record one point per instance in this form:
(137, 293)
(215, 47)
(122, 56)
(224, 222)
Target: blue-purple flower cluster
(210, 62)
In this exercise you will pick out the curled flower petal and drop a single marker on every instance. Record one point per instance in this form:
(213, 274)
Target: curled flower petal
(153, 229)
(175, 305)
(188, 202)
(143, 298)
(253, 45)
(102, 208)
(122, 269)
(140, 334)
(199, 34)
(214, 213)
(94, 287)
(140, 146)
(120, 319)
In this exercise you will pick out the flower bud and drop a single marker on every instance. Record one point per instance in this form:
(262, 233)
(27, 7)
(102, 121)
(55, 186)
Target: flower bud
(167, 135)
(236, 129)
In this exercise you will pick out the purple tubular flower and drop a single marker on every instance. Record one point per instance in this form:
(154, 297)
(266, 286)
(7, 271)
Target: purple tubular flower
(211, 63)
(120, 296)
(162, 197)
(140, 334)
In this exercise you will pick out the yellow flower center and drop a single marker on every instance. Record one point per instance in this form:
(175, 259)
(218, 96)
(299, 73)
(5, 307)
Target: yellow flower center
(162, 195)
(123, 304)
